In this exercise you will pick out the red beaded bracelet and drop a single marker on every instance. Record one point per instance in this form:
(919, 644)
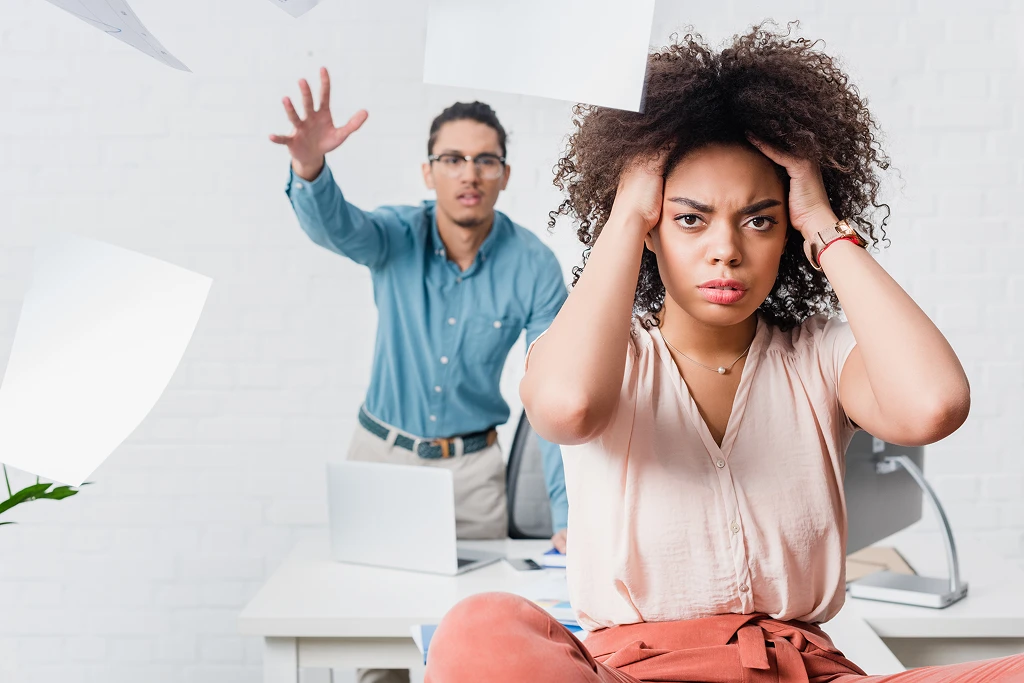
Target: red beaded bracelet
(841, 239)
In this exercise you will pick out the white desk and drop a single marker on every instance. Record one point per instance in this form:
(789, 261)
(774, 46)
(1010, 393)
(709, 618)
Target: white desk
(988, 623)
(314, 612)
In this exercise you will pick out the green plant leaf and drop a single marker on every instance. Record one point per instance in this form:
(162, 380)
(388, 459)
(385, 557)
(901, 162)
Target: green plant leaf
(25, 494)
(37, 491)
(58, 493)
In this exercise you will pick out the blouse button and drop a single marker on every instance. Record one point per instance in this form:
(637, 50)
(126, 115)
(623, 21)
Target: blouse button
(720, 464)
(743, 588)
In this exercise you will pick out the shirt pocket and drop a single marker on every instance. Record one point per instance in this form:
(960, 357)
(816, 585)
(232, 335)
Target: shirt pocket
(489, 338)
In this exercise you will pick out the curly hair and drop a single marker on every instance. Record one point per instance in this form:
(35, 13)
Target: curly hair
(776, 87)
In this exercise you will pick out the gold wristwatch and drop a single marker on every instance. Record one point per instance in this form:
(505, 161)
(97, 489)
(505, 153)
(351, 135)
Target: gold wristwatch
(841, 230)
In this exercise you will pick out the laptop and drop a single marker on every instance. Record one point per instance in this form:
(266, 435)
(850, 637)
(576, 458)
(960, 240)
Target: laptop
(397, 516)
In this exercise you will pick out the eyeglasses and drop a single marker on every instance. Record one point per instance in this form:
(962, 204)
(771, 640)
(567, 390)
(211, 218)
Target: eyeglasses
(488, 166)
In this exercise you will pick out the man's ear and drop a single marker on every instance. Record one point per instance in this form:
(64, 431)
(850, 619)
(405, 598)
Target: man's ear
(508, 172)
(428, 177)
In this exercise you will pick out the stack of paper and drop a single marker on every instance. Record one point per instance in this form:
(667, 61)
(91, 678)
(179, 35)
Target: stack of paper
(552, 595)
(562, 611)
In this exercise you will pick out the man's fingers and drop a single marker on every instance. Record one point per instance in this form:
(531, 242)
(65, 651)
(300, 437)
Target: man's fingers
(281, 139)
(357, 120)
(354, 123)
(307, 97)
(290, 111)
(325, 89)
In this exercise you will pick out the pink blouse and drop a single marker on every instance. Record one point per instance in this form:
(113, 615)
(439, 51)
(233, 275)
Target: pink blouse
(665, 525)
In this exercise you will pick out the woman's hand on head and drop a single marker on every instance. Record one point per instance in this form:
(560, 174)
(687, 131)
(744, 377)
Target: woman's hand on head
(641, 190)
(809, 208)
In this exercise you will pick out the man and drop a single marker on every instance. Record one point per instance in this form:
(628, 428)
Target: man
(455, 283)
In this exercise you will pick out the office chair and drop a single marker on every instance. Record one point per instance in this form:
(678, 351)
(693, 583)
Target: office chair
(529, 511)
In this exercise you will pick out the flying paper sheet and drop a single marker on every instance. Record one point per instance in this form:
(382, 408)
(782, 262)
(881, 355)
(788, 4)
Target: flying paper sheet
(102, 330)
(296, 8)
(592, 51)
(117, 18)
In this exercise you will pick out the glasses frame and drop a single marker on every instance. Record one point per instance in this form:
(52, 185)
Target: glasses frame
(466, 157)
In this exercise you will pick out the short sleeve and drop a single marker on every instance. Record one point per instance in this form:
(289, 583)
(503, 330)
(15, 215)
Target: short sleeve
(834, 347)
(823, 345)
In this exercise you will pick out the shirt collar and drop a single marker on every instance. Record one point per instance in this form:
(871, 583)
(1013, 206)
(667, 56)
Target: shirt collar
(501, 225)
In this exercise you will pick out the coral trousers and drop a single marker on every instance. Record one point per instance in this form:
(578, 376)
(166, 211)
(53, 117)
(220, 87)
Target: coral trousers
(498, 638)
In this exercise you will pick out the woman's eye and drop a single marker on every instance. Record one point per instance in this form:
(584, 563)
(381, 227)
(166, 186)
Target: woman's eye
(688, 220)
(762, 222)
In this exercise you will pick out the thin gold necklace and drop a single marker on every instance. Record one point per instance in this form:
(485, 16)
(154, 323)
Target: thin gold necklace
(721, 369)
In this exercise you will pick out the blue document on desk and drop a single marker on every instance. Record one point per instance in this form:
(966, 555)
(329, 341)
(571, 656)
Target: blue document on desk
(554, 560)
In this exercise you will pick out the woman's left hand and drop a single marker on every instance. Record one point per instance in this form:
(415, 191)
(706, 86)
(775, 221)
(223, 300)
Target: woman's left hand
(809, 208)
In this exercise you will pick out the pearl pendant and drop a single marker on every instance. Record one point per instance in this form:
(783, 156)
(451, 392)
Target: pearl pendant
(721, 371)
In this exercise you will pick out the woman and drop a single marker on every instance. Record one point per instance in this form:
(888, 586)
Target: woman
(704, 388)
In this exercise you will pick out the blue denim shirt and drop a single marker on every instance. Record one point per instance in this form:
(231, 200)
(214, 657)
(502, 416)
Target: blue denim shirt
(443, 334)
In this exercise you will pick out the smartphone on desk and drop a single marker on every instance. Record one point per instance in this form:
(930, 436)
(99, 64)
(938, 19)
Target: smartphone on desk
(523, 564)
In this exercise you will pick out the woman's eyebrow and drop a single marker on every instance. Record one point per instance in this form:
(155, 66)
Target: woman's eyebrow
(760, 206)
(707, 208)
(693, 204)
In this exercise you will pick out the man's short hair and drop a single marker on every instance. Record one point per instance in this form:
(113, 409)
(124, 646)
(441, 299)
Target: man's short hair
(473, 111)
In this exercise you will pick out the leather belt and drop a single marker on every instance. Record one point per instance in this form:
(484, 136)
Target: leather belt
(431, 449)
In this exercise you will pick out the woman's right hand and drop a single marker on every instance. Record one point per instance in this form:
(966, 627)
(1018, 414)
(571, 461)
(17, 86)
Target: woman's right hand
(641, 189)
(315, 135)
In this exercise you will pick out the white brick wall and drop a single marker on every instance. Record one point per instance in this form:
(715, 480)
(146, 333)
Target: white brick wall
(141, 576)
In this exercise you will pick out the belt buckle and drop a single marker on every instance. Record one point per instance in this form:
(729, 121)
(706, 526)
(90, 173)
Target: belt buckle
(446, 446)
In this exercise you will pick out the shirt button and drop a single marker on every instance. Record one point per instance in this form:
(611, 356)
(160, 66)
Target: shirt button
(458, 280)
(444, 360)
(298, 186)
(735, 528)
(497, 324)
(433, 418)
(437, 390)
(720, 464)
(451, 321)
(743, 588)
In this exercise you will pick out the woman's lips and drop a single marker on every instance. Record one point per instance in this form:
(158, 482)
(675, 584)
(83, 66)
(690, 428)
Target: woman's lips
(721, 296)
(722, 291)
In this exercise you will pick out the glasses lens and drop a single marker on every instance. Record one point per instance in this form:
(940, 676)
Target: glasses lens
(489, 167)
(451, 164)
